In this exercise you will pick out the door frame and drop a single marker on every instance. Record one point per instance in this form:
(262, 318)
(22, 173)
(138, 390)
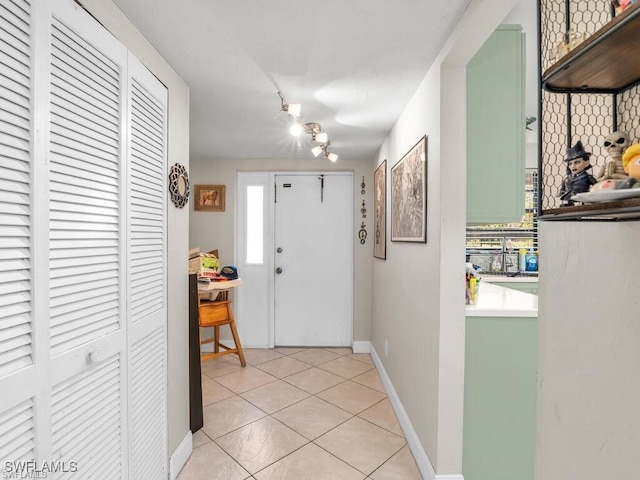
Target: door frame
(248, 314)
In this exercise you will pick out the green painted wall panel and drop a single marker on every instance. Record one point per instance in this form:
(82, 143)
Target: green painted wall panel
(496, 128)
(499, 398)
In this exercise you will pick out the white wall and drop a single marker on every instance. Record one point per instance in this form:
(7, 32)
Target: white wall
(211, 230)
(418, 305)
(588, 414)
(112, 18)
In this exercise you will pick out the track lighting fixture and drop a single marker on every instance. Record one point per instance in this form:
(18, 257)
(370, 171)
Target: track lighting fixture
(293, 109)
(318, 149)
(313, 129)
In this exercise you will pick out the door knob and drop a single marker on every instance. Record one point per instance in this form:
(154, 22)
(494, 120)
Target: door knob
(278, 270)
(279, 249)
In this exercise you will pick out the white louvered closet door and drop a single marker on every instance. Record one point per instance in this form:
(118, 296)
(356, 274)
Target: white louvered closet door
(147, 274)
(18, 379)
(87, 245)
(82, 214)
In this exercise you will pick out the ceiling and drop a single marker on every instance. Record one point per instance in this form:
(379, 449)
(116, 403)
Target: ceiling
(352, 64)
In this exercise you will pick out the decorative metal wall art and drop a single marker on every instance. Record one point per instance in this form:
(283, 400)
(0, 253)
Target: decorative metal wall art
(179, 185)
(362, 234)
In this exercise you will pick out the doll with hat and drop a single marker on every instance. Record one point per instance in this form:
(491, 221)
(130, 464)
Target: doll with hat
(578, 179)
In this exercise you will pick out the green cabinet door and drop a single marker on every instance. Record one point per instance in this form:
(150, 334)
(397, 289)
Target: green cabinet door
(496, 129)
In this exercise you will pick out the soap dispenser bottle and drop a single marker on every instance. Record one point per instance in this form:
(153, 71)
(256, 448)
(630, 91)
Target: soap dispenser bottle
(531, 260)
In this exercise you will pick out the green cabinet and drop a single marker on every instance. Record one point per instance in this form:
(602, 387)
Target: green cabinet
(496, 129)
(499, 438)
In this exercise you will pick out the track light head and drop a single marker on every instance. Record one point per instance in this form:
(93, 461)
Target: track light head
(293, 109)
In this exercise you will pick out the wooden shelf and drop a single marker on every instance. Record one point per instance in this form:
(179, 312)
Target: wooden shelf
(607, 62)
(606, 211)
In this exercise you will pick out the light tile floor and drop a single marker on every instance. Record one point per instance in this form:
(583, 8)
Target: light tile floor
(297, 414)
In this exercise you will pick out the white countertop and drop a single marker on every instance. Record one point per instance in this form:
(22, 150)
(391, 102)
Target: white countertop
(505, 279)
(497, 301)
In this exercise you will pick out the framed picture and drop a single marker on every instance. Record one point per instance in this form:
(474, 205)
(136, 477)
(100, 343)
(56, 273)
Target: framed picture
(409, 195)
(210, 198)
(380, 211)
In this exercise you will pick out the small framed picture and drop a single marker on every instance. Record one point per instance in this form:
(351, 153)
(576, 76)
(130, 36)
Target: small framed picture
(210, 198)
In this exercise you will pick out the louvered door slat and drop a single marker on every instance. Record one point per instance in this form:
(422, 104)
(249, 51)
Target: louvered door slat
(16, 90)
(62, 183)
(17, 433)
(147, 273)
(66, 101)
(17, 153)
(10, 288)
(102, 137)
(84, 59)
(85, 171)
(145, 157)
(146, 140)
(19, 276)
(153, 184)
(64, 285)
(14, 126)
(72, 321)
(64, 145)
(18, 13)
(62, 254)
(16, 336)
(148, 402)
(16, 40)
(147, 106)
(86, 423)
(147, 198)
(145, 191)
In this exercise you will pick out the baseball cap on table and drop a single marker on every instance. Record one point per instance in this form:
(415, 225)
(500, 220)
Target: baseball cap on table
(229, 272)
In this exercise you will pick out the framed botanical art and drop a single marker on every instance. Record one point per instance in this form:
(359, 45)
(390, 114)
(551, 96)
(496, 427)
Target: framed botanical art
(380, 211)
(409, 195)
(210, 198)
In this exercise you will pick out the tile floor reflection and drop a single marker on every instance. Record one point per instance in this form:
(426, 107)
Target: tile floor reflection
(297, 414)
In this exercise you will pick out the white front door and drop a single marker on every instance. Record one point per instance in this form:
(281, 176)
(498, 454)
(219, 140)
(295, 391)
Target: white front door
(314, 260)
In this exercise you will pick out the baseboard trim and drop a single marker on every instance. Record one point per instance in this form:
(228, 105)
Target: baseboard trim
(449, 477)
(361, 347)
(420, 456)
(180, 456)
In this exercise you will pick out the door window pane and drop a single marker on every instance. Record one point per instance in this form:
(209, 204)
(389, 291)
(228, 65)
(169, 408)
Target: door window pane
(255, 224)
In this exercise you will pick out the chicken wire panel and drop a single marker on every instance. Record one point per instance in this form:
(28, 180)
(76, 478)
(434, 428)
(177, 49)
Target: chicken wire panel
(628, 108)
(592, 119)
(567, 118)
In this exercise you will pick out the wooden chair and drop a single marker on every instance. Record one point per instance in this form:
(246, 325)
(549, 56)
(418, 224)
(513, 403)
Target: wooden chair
(214, 314)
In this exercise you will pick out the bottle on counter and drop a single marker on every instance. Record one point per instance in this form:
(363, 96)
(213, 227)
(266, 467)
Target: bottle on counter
(523, 259)
(531, 261)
